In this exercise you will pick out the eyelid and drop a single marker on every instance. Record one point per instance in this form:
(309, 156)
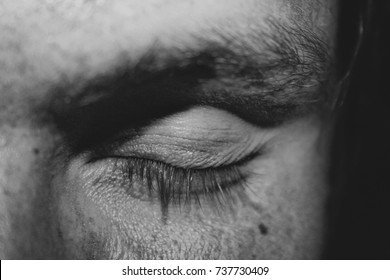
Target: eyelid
(238, 162)
(199, 138)
(176, 154)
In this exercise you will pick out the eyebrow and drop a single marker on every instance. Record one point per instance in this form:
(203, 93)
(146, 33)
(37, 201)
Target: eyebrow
(264, 79)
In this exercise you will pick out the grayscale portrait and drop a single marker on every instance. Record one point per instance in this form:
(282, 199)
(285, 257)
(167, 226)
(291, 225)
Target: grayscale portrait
(213, 129)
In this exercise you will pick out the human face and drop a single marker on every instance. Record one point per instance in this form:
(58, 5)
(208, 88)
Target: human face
(164, 129)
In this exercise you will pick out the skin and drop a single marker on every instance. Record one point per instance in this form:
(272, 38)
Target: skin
(52, 206)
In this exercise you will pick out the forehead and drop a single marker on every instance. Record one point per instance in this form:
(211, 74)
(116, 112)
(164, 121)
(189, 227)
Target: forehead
(44, 41)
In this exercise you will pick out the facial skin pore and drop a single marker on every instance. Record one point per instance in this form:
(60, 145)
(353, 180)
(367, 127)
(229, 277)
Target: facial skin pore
(60, 202)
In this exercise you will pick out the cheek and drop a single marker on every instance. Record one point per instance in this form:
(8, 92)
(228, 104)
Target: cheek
(79, 224)
(300, 199)
(292, 201)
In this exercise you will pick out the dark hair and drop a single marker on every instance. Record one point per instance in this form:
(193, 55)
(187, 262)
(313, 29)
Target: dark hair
(359, 205)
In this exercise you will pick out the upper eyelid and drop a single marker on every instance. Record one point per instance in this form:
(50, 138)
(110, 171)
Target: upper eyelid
(188, 154)
(184, 158)
(191, 141)
(196, 136)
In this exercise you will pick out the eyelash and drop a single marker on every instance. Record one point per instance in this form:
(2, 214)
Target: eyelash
(177, 185)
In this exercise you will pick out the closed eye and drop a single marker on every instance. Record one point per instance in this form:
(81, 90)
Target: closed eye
(154, 167)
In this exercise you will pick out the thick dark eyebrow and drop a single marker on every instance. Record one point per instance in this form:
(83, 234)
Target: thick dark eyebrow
(265, 80)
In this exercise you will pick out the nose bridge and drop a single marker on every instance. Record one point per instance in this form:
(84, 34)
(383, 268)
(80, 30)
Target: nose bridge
(23, 196)
(15, 225)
